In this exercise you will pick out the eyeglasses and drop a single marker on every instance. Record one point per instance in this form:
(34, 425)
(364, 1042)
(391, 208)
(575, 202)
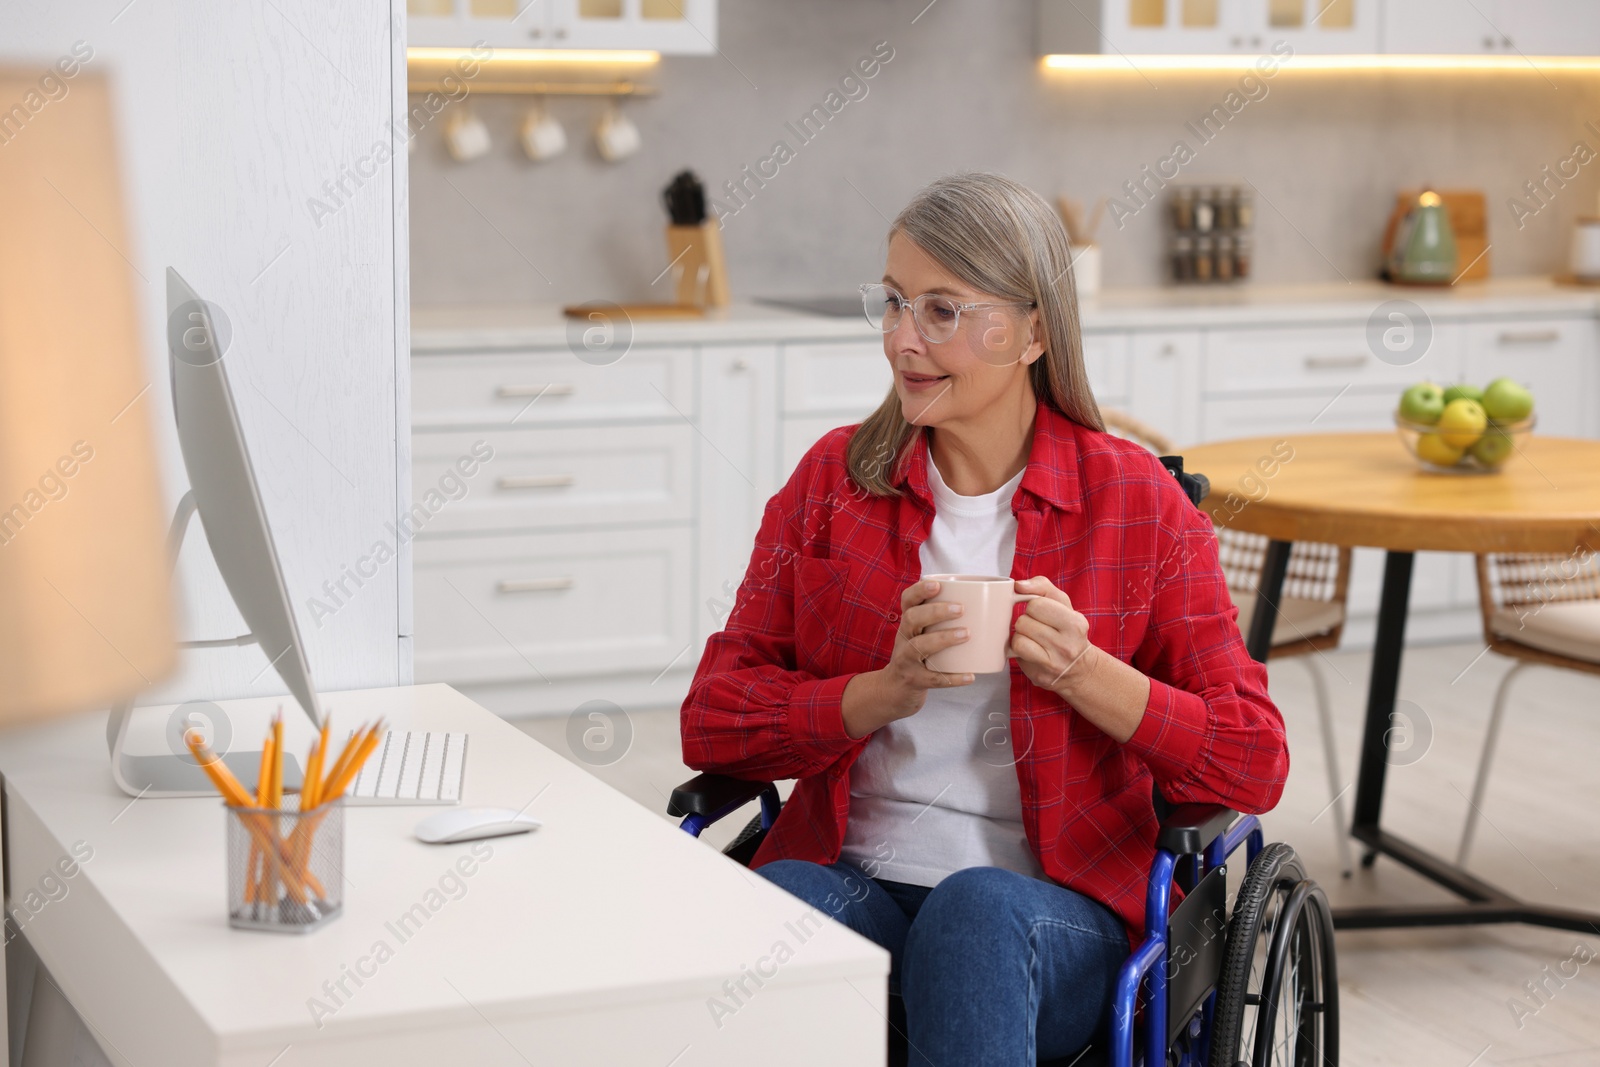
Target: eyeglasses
(935, 317)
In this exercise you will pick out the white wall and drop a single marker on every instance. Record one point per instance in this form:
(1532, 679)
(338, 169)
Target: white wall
(231, 117)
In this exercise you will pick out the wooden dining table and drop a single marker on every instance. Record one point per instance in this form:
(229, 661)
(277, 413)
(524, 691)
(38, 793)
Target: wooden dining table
(1365, 489)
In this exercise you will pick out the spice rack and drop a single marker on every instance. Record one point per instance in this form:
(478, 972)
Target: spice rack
(1210, 240)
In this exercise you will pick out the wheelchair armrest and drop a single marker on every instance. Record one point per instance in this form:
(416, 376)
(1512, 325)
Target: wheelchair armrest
(1189, 828)
(707, 793)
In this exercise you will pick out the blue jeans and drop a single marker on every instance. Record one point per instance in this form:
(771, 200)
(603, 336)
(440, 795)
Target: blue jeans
(995, 968)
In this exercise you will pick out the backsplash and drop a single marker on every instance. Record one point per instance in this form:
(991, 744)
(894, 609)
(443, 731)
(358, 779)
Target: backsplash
(808, 157)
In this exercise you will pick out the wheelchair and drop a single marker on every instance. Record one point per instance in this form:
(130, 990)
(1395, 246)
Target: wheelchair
(1208, 987)
(1256, 986)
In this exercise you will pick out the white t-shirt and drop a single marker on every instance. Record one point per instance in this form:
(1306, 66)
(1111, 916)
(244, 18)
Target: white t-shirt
(937, 792)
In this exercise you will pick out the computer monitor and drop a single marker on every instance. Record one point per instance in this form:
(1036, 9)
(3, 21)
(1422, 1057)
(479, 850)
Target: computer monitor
(222, 488)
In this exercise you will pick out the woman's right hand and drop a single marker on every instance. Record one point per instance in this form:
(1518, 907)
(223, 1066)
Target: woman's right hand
(897, 691)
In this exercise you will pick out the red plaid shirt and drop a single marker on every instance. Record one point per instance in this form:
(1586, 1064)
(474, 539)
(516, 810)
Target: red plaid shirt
(1101, 519)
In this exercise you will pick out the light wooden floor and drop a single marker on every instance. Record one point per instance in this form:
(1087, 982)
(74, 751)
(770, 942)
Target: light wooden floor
(1412, 998)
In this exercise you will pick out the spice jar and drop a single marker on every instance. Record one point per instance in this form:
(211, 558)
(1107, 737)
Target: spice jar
(1227, 219)
(1205, 210)
(1244, 208)
(1204, 259)
(1183, 209)
(1183, 259)
(1241, 256)
(1224, 259)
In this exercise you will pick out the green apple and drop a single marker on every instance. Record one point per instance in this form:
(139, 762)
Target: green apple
(1463, 391)
(1493, 448)
(1423, 403)
(1507, 401)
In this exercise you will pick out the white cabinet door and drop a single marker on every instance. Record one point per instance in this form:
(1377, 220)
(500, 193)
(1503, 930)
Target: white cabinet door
(1491, 27)
(1321, 359)
(544, 606)
(1555, 358)
(1105, 361)
(1313, 27)
(849, 377)
(675, 27)
(678, 27)
(542, 388)
(1165, 383)
(1186, 27)
(738, 390)
(545, 478)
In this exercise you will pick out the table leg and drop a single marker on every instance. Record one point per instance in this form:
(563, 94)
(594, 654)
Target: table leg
(1268, 592)
(1483, 903)
(1388, 646)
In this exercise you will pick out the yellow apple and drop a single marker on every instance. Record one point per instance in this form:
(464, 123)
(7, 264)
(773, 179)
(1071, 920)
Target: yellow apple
(1462, 423)
(1433, 448)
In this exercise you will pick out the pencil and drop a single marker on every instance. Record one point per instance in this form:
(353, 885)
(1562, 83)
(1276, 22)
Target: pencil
(276, 798)
(352, 743)
(255, 882)
(219, 774)
(349, 773)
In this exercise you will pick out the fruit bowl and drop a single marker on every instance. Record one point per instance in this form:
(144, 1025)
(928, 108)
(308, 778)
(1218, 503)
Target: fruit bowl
(1486, 452)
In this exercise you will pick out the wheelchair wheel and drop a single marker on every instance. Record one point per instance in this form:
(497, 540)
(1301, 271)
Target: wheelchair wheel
(1277, 999)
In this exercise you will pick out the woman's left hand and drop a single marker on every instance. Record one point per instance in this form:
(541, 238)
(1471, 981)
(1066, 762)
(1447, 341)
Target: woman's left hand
(1051, 640)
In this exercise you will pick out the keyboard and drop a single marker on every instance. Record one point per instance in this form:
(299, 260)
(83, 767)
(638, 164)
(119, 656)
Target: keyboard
(412, 767)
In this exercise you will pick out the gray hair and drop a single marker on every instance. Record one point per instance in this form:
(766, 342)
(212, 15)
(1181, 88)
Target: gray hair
(999, 237)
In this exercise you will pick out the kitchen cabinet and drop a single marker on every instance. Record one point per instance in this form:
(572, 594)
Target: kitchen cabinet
(607, 537)
(1553, 357)
(1208, 27)
(672, 27)
(738, 471)
(1491, 27)
(1319, 27)
(543, 606)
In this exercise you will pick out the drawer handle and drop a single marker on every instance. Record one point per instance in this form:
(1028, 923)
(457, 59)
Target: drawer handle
(1355, 359)
(535, 481)
(533, 585)
(1529, 337)
(510, 392)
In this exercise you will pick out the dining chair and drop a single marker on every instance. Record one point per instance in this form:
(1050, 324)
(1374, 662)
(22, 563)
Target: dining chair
(1311, 609)
(1537, 609)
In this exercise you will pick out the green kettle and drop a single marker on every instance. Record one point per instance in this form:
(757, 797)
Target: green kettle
(1424, 249)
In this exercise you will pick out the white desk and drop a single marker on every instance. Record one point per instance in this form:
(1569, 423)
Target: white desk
(598, 939)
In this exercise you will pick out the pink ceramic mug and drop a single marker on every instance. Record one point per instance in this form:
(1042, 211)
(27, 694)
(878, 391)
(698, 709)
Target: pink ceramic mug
(986, 603)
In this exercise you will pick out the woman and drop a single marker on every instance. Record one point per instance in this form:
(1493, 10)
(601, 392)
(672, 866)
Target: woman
(994, 833)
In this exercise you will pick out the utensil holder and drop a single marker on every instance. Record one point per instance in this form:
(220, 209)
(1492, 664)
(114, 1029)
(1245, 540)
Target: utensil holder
(700, 270)
(285, 868)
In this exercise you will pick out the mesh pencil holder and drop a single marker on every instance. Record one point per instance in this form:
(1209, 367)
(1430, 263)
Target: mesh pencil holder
(285, 868)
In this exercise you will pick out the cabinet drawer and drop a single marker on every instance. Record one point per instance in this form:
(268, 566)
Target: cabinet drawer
(542, 478)
(1555, 358)
(1313, 359)
(1326, 411)
(535, 388)
(851, 378)
(1105, 360)
(545, 606)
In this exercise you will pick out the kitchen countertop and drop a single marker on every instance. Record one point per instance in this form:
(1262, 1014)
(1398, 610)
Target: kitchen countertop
(465, 328)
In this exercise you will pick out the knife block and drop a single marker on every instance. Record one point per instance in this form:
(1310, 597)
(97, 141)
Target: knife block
(695, 253)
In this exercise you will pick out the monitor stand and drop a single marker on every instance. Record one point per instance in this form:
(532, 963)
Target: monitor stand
(173, 774)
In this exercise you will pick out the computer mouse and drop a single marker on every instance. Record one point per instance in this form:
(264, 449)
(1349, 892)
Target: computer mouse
(471, 824)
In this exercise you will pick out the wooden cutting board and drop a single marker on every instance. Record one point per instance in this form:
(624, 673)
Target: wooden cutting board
(1469, 218)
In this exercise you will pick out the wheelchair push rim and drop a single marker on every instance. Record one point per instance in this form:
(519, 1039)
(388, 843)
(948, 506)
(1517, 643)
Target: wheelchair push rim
(1277, 1003)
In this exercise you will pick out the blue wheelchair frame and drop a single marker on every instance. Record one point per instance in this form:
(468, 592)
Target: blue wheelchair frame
(1149, 961)
(1184, 856)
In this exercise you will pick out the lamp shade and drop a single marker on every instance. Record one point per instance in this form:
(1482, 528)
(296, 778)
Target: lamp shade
(85, 590)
